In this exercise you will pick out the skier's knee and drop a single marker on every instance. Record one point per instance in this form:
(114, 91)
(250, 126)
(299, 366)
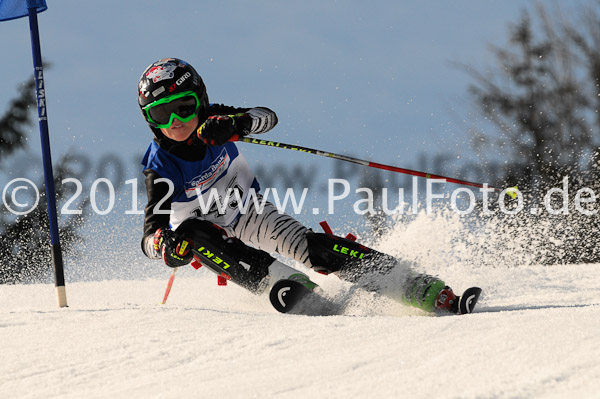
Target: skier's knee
(191, 228)
(348, 259)
(204, 233)
(329, 253)
(226, 256)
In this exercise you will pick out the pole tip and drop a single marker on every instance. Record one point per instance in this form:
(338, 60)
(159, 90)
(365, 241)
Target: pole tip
(512, 192)
(61, 293)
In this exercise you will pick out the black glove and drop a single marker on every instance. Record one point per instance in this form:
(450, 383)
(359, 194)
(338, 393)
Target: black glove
(219, 129)
(175, 250)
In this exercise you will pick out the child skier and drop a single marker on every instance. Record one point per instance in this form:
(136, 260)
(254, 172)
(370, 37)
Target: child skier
(193, 155)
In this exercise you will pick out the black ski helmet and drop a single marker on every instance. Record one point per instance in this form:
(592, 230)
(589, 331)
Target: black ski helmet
(171, 76)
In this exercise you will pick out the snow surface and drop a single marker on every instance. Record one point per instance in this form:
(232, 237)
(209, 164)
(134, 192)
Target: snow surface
(536, 335)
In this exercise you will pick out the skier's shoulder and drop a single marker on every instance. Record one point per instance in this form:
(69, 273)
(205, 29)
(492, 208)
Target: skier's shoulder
(160, 161)
(155, 155)
(150, 154)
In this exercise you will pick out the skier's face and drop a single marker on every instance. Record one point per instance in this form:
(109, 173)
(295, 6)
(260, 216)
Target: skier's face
(180, 131)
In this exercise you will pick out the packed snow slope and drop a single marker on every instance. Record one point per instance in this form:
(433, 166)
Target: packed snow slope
(536, 335)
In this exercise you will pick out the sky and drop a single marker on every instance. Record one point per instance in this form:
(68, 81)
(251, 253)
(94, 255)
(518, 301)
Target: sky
(375, 80)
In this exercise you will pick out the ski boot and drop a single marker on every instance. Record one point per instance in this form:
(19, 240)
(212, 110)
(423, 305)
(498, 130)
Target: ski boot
(430, 294)
(433, 295)
(446, 301)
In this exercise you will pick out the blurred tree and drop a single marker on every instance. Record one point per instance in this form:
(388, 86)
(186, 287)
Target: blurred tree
(24, 240)
(544, 101)
(16, 119)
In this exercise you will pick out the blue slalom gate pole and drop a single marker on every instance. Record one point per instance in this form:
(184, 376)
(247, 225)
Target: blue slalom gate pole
(57, 259)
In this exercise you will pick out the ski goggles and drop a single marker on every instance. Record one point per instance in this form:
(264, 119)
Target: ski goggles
(183, 106)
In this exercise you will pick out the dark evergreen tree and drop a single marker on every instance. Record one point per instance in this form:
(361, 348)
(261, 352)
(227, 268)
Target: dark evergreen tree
(18, 117)
(544, 101)
(25, 240)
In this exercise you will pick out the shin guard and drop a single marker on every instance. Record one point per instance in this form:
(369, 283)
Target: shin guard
(347, 258)
(226, 256)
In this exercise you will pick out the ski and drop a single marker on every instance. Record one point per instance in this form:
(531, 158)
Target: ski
(289, 296)
(468, 300)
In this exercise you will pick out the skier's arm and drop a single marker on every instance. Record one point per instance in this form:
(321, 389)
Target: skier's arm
(153, 220)
(225, 123)
(263, 119)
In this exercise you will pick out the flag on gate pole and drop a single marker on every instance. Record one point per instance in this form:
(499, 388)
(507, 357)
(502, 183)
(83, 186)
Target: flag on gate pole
(13, 9)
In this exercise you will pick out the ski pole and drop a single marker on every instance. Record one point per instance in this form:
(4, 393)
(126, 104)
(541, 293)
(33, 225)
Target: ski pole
(511, 191)
(169, 285)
